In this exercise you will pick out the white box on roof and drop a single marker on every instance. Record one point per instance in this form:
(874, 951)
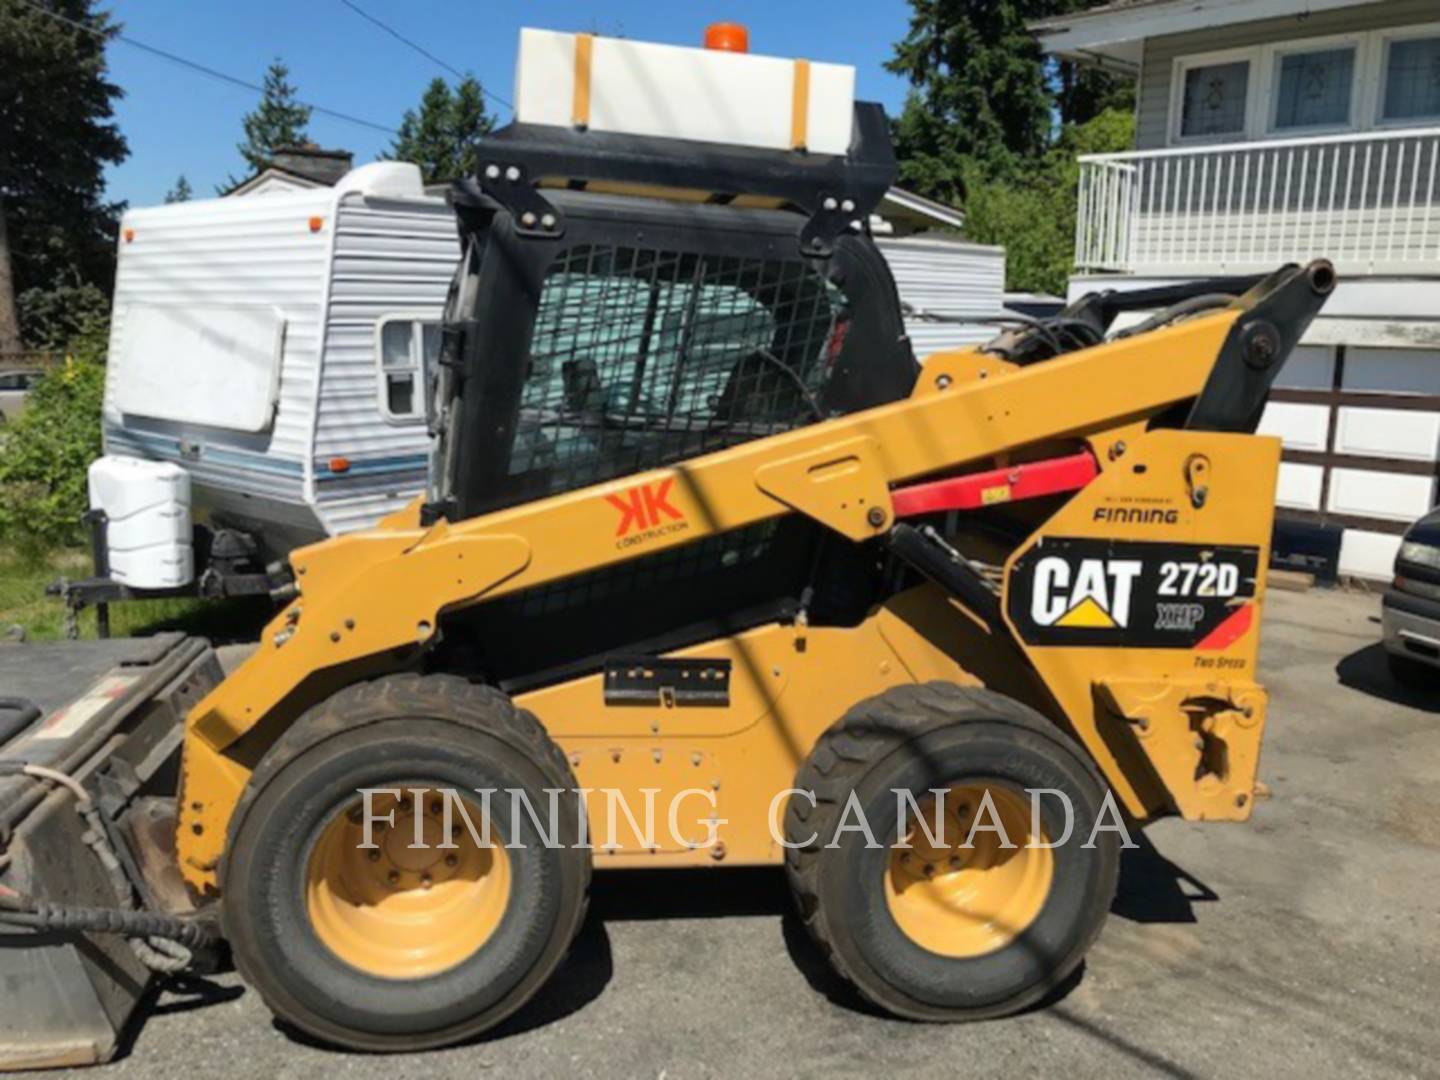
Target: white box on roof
(640, 88)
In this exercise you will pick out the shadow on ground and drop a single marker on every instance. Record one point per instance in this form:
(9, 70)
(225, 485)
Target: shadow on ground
(1153, 889)
(1368, 671)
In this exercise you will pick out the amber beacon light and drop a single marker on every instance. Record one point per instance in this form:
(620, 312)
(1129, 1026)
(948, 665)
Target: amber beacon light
(727, 37)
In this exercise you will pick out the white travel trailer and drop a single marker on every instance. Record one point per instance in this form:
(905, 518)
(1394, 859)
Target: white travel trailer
(273, 346)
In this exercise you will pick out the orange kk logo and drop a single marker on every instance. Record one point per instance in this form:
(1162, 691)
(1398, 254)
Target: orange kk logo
(644, 507)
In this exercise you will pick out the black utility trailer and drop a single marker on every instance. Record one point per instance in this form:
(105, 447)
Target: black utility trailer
(102, 719)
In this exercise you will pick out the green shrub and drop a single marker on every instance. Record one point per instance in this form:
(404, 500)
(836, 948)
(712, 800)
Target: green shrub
(1030, 209)
(45, 455)
(65, 318)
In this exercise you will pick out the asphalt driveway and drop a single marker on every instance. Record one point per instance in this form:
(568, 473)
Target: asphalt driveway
(1306, 943)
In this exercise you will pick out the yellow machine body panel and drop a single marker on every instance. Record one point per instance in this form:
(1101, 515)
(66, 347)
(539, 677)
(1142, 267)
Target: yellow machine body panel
(1155, 719)
(1189, 514)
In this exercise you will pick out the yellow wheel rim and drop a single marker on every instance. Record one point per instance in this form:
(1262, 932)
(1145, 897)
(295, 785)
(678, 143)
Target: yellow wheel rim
(399, 911)
(964, 901)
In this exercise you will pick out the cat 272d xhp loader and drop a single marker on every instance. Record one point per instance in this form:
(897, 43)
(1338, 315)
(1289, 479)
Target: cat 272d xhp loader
(701, 533)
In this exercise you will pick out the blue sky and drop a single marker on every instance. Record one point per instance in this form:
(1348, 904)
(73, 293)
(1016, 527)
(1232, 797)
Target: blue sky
(179, 121)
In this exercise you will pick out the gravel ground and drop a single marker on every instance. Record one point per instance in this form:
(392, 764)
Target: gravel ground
(1304, 943)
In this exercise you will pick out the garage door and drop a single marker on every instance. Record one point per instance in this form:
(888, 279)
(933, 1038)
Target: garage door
(1361, 427)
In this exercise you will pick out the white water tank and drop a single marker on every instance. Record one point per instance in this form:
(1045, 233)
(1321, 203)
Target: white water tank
(147, 531)
(707, 95)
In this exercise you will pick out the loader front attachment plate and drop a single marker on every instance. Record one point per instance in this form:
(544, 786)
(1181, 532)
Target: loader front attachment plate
(1139, 605)
(108, 714)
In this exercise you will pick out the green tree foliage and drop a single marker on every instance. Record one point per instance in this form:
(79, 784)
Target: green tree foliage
(45, 455)
(1031, 213)
(440, 135)
(181, 192)
(57, 134)
(992, 124)
(279, 120)
(978, 91)
(68, 315)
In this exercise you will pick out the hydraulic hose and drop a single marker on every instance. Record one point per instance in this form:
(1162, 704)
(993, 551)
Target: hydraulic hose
(1193, 306)
(18, 910)
(161, 942)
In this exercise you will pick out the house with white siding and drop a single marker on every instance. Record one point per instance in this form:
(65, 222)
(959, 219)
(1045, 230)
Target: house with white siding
(1273, 131)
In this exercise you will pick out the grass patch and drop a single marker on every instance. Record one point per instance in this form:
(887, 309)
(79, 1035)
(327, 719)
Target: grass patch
(23, 603)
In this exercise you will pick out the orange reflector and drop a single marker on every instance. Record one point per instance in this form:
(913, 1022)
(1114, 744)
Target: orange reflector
(316, 223)
(339, 464)
(129, 235)
(727, 37)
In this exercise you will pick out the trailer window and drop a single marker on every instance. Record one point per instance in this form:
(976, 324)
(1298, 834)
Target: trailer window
(407, 344)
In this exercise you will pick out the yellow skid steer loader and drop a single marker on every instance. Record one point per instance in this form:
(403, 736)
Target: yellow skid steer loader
(710, 573)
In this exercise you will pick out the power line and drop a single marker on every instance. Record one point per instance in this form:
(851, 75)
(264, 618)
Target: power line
(421, 50)
(201, 68)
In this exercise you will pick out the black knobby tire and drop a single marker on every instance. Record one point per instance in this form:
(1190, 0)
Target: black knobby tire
(921, 737)
(432, 730)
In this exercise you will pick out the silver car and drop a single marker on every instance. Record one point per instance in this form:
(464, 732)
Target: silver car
(14, 389)
(1410, 611)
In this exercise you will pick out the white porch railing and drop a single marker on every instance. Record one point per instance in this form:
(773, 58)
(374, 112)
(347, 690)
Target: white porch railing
(1369, 202)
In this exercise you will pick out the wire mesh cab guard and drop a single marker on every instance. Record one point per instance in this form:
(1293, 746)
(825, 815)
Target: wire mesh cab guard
(657, 300)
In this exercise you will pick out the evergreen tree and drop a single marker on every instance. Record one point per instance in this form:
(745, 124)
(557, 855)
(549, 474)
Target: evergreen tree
(440, 135)
(994, 125)
(983, 94)
(471, 120)
(978, 94)
(57, 134)
(279, 120)
(180, 192)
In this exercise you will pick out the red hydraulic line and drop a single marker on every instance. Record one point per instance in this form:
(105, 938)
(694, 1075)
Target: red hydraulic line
(1028, 481)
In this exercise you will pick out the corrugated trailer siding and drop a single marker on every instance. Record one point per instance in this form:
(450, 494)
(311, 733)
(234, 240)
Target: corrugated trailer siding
(391, 257)
(226, 251)
(1161, 52)
(946, 277)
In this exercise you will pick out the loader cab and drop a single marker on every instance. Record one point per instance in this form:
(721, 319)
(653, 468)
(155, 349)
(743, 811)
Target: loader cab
(625, 304)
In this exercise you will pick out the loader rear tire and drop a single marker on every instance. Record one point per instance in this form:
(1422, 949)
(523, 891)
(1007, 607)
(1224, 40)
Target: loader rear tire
(397, 948)
(949, 932)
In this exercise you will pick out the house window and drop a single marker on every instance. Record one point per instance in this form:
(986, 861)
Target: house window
(1313, 89)
(1412, 79)
(406, 344)
(1215, 97)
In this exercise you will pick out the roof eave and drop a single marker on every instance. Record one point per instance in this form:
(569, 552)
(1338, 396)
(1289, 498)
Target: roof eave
(1114, 33)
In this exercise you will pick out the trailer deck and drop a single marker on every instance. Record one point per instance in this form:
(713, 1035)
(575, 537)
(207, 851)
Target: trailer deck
(108, 715)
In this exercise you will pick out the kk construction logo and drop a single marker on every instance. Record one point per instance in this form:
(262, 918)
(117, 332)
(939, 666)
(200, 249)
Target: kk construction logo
(1093, 594)
(646, 513)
